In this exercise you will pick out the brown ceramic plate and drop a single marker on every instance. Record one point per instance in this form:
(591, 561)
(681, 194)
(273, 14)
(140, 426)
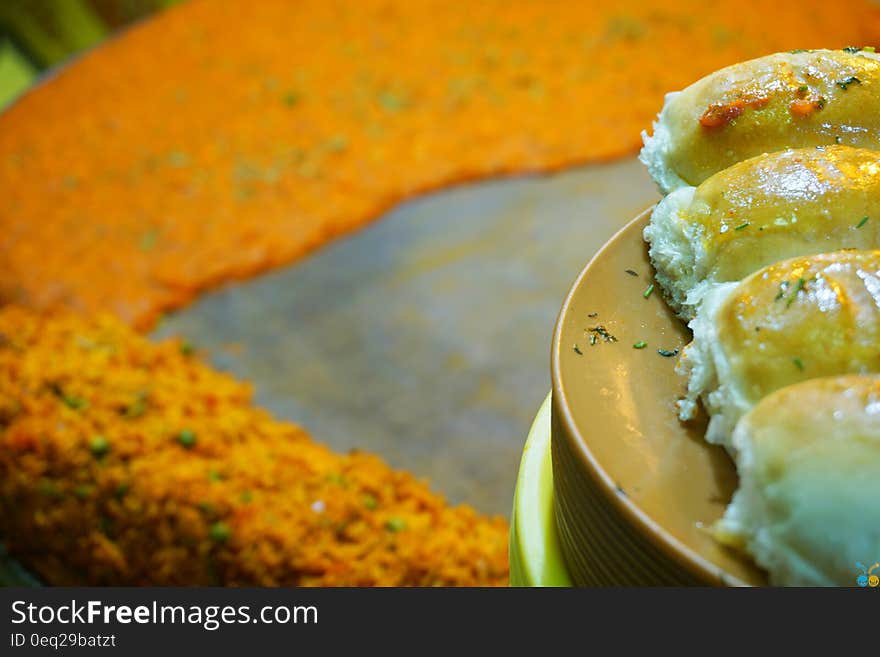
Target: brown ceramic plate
(635, 489)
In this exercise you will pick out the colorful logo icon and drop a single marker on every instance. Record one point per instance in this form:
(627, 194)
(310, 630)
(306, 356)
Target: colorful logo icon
(868, 578)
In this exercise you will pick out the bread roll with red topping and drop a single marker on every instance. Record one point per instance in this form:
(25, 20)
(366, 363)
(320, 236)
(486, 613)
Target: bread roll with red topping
(786, 100)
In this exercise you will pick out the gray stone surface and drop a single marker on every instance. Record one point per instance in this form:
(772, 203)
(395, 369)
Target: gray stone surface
(426, 337)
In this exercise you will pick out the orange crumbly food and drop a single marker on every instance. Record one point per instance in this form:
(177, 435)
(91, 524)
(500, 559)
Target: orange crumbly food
(123, 461)
(228, 136)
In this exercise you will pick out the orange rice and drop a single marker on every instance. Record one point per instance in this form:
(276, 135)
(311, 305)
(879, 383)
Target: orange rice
(127, 462)
(228, 136)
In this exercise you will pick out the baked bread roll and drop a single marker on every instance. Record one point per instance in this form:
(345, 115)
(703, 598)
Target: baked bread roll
(799, 319)
(767, 208)
(809, 465)
(786, 100)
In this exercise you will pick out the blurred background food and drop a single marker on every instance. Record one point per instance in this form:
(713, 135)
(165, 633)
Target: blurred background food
(225, 138)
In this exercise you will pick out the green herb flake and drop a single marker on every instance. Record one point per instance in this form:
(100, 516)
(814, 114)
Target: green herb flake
(743, 226)
(803, 89)
(797, 51)
(178, 159)
(845, 84)
(149, 238)
(187, 348)
(600, 332)
(220, 532)
(99, 446)
(648, 291)
(246, 497)
(862, 222)
(783, 286)
(798, 363)
(291, 98)
(593, 340)
(337, 478)
(852, 49)
(137, 408)
(370, 502)
(392, 102)
(83, 491)
(187, 438)
(121, 490)
(395, 524)
(641, 344)
(49, 488)
(337, 143)
(667, 353)
(578, 351)
(215, 475)
(75, 403)
(631, 272)
(797, 288)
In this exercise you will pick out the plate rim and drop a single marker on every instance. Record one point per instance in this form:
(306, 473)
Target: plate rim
(535, 553)
(638, 519)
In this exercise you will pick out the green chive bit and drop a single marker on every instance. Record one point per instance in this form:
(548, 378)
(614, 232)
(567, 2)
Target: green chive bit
(138, 407)
(187, 348)
(392, 102)
(246, 497)
(83, 491)
(783, 286)
(668, 353)
(220, 532)
(99, 446)
(395, 524)
(187, 438)
(291, 98)
(215, 475)
(648, 291)
(337, 143)
(370, 502)
(74, 403)
(743, 226)
(337, 478)
(798, 363)
(641, 344)
(49, 488)
(862, 222)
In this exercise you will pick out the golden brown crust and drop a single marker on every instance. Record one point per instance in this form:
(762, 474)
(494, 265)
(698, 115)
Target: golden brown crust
(799, 99)
(816, 410)
(786, 204)
(803, 318)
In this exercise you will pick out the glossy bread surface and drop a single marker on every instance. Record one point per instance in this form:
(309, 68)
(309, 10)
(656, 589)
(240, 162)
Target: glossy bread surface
(786, 204)
(803, 318)
(780, 101)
